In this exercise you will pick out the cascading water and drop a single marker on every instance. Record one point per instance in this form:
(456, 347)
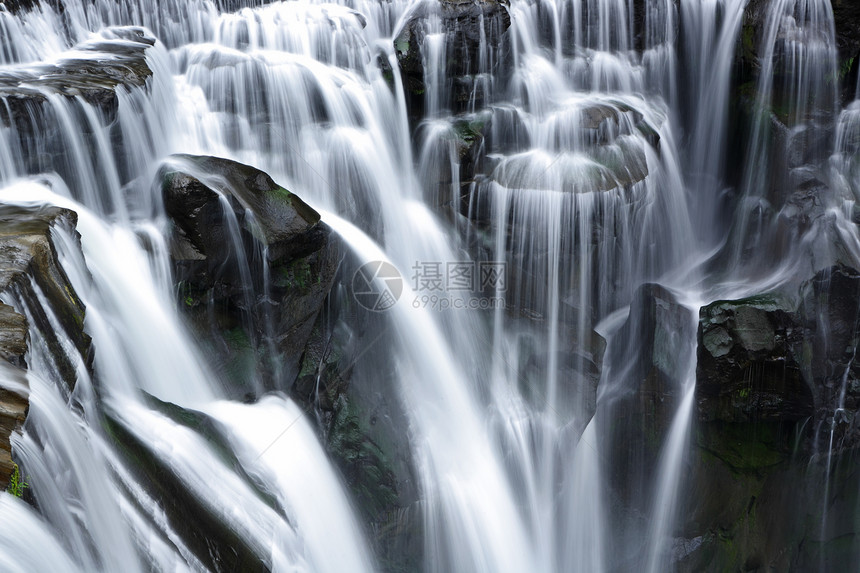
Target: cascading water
(147, 350)
(584, 145)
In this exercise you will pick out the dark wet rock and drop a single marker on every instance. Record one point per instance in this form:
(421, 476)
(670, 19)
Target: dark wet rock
(769, 518)
(846, 16)
(651, 358)
(659, 327)
(360, 420)
(290, 337)
(469, 132)
(31, 270)
(205, 533)
(277, 218)
(769, 359)
(747, 368)
(254, 264)
(465, 23)
(778, 394)
(454, 152)
(830, 316)
(758, 505)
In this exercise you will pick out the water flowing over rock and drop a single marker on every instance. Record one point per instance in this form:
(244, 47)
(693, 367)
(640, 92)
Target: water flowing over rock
(229, 221)
(32, 279)
(253, 261)
(617, 244)
(32, 274)
(92, 70)
(774, 358)
(19, 5)
(776, 398)
(214, 544)
(452, 53)
(652, 345)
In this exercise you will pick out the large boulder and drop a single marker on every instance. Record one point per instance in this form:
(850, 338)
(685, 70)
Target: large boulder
(778, 394)
(278, 219)
(772, 358)
(746, 369)
(281, 328)
(254, 264)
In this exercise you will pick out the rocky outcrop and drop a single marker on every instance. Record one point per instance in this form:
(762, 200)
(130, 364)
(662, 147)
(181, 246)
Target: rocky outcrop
(71, 104)
(32, 274)
(652, 352)
(778, 395)
(768, 359)
(465, 24)
(14, 337)
(32, 279)
(92, 70)
(13, 402)
(253, 263)
(204, 531)
(271, 321)
(746, 369)
(846, 17)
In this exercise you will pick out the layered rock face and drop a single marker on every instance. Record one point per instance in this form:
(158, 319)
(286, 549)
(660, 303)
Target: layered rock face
(13, 400)
(32, 279)
(92, 70)
(64, 116)
(32, 274)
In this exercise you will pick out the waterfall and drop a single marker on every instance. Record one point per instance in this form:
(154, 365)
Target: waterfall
(147, 350)
(710, 104)
(629, 165)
